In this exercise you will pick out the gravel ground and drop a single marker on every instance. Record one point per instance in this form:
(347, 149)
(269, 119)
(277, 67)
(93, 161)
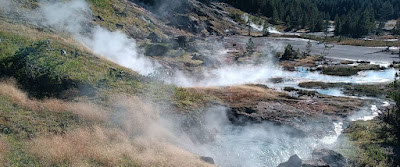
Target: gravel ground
(337, 52)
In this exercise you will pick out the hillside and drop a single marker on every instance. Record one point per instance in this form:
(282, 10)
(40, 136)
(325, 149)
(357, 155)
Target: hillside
(55, 90)
(179, 83)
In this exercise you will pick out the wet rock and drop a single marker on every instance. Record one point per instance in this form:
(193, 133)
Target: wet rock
(207, 159)
(320, 158)
(276, 80)
(294, 161)
(332, 158)
(363, 62)
(314, 163)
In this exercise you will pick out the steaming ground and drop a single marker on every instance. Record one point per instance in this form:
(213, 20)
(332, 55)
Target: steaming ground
(155, 139)
(268, 144)
(342, 52)
(263, 69)
(73, 18)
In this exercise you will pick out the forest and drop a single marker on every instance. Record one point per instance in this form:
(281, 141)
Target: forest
(353, 18)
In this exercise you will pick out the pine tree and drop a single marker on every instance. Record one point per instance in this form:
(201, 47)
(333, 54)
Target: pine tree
(362, 26)
(379, 31)
(266, 29)
(250, 45)
(308, 48)
(275, 17)
(396, 29)
(249, 27)
(338, 26)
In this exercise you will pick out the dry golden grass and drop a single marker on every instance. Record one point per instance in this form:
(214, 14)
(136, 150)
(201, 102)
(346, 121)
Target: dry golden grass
(87, 111)
(3, 150)
(242, 95)
(9, 89)
(140, 137)
(132, 114)
(108, 147)
(137, 118)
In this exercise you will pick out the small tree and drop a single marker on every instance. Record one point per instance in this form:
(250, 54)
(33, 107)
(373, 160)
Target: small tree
(396, 29)
(326, 50)
(289, 54)
(308, 48)
(265, 29)
(275, 16)
(249, 26)
(327, 46)
(381, 25)
(325, 27)
(250, 45)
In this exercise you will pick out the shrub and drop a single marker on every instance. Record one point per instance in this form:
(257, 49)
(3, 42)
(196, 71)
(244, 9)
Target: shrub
(290, 53)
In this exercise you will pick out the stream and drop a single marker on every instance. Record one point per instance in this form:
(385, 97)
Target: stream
(268, 144)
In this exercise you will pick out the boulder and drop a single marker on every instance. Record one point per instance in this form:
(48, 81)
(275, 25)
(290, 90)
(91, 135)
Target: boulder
(314, 163)
(181, 41)
(156, 50)
(154, 38)
(207, 159)
(320, 158)
(294, 161)
(330, 157)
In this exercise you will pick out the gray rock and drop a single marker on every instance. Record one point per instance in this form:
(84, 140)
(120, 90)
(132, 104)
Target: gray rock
(315, 163)
(154, 38)
(156, 50)
(332, 158)
(207, 159)
(63, 52)
(320, 158)
(119, 26)
(294, 161)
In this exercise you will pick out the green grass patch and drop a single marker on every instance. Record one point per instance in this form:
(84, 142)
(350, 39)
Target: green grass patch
(10, 43)
(348, 70)
(371, 141)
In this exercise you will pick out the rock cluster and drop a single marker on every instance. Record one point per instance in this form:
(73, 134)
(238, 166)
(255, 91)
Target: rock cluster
(320, 158)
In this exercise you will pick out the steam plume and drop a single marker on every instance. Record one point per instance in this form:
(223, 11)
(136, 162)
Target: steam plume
(73, 17)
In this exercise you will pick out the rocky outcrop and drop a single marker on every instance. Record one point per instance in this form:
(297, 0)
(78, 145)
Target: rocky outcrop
(207, 159)
(320, 158)
(154, 38)
(294, 161)
(156, 50)
(325, 157)
(252, 103)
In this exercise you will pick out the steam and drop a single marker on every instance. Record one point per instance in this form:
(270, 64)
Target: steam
(73, 17)
(117, 47)
(251, 145)
(262, 68)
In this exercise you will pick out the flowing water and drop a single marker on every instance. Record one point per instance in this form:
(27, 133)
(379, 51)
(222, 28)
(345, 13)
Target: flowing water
(268, 144)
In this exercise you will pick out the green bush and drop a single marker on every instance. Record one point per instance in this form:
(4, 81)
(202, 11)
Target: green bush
(290, 53)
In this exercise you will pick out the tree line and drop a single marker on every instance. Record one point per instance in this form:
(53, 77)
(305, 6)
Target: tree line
(353, 17)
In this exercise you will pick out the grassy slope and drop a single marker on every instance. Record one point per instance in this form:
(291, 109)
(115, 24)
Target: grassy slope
(34, 59)
(370, 143)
